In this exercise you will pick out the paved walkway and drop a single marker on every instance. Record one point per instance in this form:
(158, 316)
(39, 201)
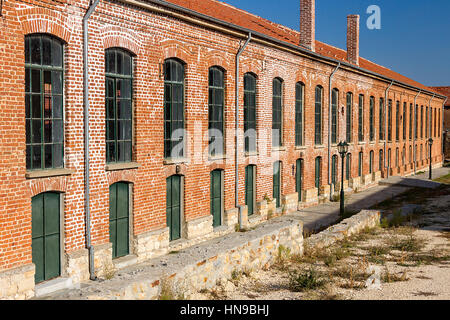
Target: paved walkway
(323, 215)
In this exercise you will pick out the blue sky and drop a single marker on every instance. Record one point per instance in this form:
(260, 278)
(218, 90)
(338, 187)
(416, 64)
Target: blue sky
(414, 39)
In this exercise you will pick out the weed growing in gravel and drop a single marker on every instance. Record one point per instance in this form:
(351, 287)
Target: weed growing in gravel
(305, 280)
(410, 244)
(389, 277)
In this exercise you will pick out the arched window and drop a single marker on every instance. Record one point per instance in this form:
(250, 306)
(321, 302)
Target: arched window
(390, 120)
(216, 105)
(381, 119)
(118, 96)
(372, 119)
(173, 109)
(299, 113)
(334, 115)
(397, 121)
(250, 112)
(361, 118)
(349, 119)
(44, 83)
(277, 112)
(318, 115)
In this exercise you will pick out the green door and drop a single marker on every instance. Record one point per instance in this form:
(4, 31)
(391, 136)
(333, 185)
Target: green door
(119, 219)
(45, 243)
(318, 173)
(216, 197)
(249, 189)
(173, 207)
(334, 163)
(276, 183)
(299, 179)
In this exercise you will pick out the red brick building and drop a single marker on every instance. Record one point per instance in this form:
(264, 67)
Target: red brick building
(445, 91)
(161, 73)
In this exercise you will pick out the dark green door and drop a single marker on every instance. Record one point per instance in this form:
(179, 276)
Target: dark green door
(249, 189)
(277, 183)
(45, 241)
(173, 207)
(119, 219)
(318, 173)
(299, 179)
(216, 197)
(334, 164)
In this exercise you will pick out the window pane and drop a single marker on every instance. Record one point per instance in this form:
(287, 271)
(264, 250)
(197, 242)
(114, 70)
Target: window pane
(57, 53)
(47, 51)
(36, 157)
(35, 81)
(36, 50)
(36, 127)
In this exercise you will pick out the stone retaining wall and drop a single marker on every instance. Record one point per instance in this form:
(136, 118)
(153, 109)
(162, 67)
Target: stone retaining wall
(347, 228)
(17, 284)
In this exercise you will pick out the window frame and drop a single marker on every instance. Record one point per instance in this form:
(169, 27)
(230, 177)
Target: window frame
(300, 115)
(28, 95)
(318, 116)
(214, 105)
(334, 115)
(246, 107)
(277, 110)
(349, 117)
(361, 134)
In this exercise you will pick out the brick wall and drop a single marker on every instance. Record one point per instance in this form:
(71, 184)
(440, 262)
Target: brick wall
(152, 38)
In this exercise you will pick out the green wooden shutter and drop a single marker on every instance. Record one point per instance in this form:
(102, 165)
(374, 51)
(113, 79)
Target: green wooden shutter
(216, 197)
(249, 190)
(299, 179)
(119, 220)
(45, 244)
(277, 183)
(318, 173)
(173, 207)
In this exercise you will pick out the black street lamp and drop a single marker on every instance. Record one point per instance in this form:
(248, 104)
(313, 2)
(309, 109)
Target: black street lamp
(430, 142)
(343, 150)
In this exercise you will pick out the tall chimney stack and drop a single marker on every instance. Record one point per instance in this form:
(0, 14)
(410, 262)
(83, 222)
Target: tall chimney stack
(353, 39)
(308, 24)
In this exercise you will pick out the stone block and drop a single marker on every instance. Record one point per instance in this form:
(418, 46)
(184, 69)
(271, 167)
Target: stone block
(289, 202)
(311, 195)
(199, 228)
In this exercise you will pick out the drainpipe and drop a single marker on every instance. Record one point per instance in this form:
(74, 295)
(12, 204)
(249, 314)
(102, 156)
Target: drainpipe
(415, 130)
(386, 126)
(89, 12)
(238, 55)
(329, 128)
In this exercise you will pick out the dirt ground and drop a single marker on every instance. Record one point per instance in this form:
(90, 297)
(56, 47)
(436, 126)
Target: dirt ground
(405, 259)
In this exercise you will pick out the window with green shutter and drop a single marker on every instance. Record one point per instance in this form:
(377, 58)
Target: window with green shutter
(318, 115)
(277, 113)
(277, 182)
(44, 84)
(334, 115)
(299, 107)
(174, 109)
(390, 120)
(173, 206)
(250, 112)
(372, 119)
(348, 166)
(349, 119)
(250, 192)
(361, 118)
(216, 197)
(318, 173)
(334, 169)
(216, 104)
(381, 119)
(118, 96)
(371, 155)
(119, 219)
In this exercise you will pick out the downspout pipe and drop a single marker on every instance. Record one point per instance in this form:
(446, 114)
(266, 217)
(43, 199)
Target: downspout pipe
(415, 130)
(89, 12)
(386, 127)
(329, 128)
(236, 195)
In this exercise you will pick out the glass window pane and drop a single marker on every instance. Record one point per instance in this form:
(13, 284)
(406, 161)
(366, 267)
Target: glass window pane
(36, 106)
(58, 133)
(35, 81)
(58, 156)
(36, 159)
(48, 156)
(48, 131)
(57, 82)
(36, 127)
(46, 51)
(28, 157)
(36, 50)
(57, 107)
(57, 53)
(127, 64)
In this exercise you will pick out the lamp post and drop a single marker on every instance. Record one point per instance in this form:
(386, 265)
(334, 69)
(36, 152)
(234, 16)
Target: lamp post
(430, 142)
(343, 150)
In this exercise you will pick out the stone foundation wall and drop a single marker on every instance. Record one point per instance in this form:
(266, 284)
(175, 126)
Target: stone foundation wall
(199, 228)
(311, 195)
(289, 203)
(17, 284)
(151, 244)
(103, 259)
(77, 266)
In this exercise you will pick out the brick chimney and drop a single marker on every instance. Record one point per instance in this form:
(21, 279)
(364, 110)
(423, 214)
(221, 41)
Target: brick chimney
(353, 39)
(308, 24)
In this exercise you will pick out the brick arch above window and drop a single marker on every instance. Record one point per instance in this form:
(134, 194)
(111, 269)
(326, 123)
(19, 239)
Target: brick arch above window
(53, 184)
(128, 176)
(219, 59)
(116, 37)
(172, 49)
(250, 66)
(171, 170)
(42, 20)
